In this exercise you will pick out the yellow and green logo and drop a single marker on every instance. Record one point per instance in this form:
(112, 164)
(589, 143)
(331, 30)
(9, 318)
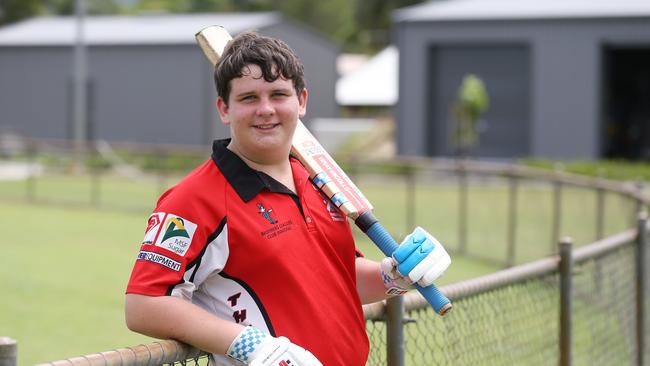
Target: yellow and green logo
(175, 227)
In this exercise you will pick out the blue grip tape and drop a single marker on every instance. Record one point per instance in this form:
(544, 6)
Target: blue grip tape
(387, 245)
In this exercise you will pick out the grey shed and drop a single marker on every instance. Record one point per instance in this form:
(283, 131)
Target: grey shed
(568, 79)
(148, 81)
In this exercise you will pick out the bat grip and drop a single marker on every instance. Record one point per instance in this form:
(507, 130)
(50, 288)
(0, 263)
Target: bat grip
(387, 244)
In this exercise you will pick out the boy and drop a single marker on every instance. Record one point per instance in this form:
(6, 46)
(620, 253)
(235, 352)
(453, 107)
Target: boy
(244, 258)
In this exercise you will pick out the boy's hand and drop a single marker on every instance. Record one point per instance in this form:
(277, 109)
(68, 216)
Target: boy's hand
(420, 258)
(256, 348)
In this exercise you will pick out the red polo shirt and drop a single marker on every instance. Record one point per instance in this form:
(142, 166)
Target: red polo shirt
(241, 245)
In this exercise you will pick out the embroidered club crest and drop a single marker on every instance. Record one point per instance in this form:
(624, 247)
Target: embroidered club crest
(266, 213)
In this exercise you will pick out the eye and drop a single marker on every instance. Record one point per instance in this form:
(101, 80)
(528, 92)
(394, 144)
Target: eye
(279, 94)
(247, 98)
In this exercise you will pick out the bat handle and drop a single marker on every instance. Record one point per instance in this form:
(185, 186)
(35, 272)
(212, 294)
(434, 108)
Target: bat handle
(387, 244)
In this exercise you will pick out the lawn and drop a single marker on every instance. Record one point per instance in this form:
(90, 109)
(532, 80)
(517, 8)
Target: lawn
(63, 268)
(63, 272)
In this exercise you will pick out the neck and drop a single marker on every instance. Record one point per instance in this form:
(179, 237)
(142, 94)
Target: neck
(278, 169)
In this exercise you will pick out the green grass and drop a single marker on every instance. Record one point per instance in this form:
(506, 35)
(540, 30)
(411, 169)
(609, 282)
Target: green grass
(63, 273)
(63, 268)
(610, 169)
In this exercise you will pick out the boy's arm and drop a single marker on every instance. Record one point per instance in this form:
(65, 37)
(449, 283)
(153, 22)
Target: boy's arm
(169, 317)
(172, 317)
(369, 282)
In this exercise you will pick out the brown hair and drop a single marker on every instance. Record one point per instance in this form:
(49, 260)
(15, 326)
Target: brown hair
(274, 57)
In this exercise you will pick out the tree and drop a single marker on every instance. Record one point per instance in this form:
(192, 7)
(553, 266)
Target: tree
(93, 7)
(472, 102)
(15, 10)
(373, 21)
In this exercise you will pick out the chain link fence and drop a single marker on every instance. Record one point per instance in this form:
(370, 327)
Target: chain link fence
(505, 318)
(510, 317)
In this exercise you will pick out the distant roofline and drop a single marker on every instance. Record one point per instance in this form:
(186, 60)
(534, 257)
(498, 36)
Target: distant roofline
(478, 10)
(129, 30)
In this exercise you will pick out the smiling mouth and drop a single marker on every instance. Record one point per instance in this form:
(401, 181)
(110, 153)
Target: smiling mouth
(267, 126)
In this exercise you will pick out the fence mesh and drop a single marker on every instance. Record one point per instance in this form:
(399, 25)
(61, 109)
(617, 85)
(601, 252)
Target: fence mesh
(376, 330)
(516, 324)
(604, 303)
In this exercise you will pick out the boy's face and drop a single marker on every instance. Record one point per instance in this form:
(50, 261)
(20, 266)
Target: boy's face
(262, 115)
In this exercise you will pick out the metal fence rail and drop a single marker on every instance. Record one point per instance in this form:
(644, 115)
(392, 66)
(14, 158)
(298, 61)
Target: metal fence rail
(530, 314)
(504, 318)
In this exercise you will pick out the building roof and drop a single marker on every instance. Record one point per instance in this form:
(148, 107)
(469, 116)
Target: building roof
(141, 29)
(442, 10)
(373, 84)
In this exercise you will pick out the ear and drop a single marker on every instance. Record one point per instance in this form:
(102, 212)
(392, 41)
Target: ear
(222, 108)
(302, 100)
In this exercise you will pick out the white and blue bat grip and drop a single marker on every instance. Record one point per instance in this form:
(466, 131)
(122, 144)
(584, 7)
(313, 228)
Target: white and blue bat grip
(380, 236)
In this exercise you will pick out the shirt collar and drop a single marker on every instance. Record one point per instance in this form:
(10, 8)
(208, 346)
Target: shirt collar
(246, 181)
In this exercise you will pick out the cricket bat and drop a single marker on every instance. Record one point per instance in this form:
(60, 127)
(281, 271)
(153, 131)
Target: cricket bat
(326, 174)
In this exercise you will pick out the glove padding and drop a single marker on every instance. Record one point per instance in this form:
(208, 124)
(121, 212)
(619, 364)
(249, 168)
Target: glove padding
(256, 348)
(420, 258)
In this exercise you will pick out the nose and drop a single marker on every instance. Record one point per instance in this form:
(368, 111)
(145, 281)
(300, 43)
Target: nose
(265, 107)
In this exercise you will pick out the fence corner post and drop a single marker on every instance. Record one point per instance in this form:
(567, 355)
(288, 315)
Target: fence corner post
(641, 283)
(566, 290)
(8, 352)
(394, 331)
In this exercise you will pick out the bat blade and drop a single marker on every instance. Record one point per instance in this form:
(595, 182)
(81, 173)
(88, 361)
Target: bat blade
(327, 175)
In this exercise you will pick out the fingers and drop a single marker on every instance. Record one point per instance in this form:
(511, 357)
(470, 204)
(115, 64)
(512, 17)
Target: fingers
(435, 271)
(409, 245)
(287, 353)
(421, 257)
(416, 257)
(309, 359)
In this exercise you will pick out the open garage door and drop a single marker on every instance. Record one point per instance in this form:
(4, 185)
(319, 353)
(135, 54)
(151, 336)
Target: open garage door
(626, 103)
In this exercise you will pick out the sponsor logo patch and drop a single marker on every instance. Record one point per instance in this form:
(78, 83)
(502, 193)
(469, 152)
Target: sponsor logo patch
(159, 259)
(153, 226)
(176, 234)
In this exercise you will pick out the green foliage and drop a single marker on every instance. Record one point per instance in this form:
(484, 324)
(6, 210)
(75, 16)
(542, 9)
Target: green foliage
(97, 163)
(176, 162)
(472, 102)
(93, 7)
(15, 10)
(610, 169)
(356, 25)
(472, 96)
(373, 22)
(396, 168)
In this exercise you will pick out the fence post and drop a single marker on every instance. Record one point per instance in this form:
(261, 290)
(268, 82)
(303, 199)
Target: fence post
(94, 169)
(8, 352)
(30, 182)
(395, 331)
(161, 159)
(566, 290)
(512, 217)
(557, 208)
(641, 243)
(600, 207)
(600, 230)
(638, 199)
(410, 197)
(462, 209)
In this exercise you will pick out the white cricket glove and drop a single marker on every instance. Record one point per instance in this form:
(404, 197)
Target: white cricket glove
(420, 258)
(256, 348)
